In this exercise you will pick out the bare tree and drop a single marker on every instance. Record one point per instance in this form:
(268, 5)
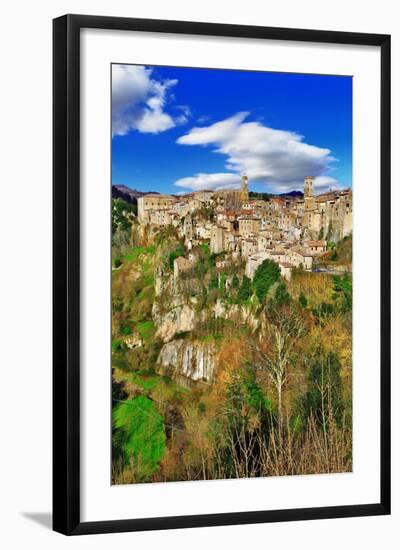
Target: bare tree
(273, 359)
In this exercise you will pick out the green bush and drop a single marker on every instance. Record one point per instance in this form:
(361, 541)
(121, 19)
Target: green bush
(265, 276)
(139, 435)
(303, 302)
(343, 292)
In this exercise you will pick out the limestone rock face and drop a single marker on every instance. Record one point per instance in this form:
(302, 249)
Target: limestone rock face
(178, 319)
(191, 361)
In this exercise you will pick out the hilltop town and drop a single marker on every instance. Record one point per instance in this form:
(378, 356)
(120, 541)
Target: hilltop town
(231, 327)
(292, 231)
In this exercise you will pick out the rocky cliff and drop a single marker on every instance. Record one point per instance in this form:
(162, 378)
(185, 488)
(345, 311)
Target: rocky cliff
(186, 360)
(180, 318)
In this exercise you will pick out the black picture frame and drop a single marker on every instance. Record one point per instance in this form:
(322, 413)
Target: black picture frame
(66, 273)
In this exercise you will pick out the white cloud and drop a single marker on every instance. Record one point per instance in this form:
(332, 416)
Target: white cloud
(200, 182)
(278, 158)
(138, 101)
(326, 183)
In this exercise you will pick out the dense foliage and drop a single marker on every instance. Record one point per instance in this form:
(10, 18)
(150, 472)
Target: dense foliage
(139, 435)
(265, 276)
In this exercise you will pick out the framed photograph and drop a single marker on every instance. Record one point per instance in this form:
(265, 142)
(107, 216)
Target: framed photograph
(221, 274)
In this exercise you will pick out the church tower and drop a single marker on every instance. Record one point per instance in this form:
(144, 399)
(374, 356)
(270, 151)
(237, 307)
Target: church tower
(308, 186)
(244, 193)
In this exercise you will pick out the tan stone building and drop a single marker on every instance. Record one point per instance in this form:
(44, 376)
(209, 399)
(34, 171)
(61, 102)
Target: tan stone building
(249, 247)
(244, 193)
(249, 225)
(154, 202)
(217, 241)
(253, 262)
(315, 247)
(204, 196)
(286, 269)
(277, 255)
(329, 215)
(300, 258)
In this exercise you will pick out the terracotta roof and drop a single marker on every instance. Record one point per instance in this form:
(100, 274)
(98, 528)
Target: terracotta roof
(316, 243)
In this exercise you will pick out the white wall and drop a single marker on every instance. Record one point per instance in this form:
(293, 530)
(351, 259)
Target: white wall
(25, 300)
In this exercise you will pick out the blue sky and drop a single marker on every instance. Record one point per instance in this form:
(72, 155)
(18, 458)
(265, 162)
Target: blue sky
(175, 130)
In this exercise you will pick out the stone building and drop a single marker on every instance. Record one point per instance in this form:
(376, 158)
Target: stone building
(264, 240)
(277, 255)
(204, 196)
(329, 215)
(217, 241)
(188, 227)
(244, 193)
(152, 202)
(300, 258)
(315, 247)
(253, 262)
(249, 225)
(249, 247)
(286, 270)
(232, 199)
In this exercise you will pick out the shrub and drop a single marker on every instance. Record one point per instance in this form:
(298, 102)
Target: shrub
(303, 300)
(343, 291)
(323, 311)
(265, 276)
(139, 435)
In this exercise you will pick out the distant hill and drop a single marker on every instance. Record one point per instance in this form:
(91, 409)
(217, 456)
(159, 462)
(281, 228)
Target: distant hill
(292, 194)
(266, 196)
(127, 194)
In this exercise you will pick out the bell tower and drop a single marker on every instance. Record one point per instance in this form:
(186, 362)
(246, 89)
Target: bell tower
(308, 186)
(244, 193)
